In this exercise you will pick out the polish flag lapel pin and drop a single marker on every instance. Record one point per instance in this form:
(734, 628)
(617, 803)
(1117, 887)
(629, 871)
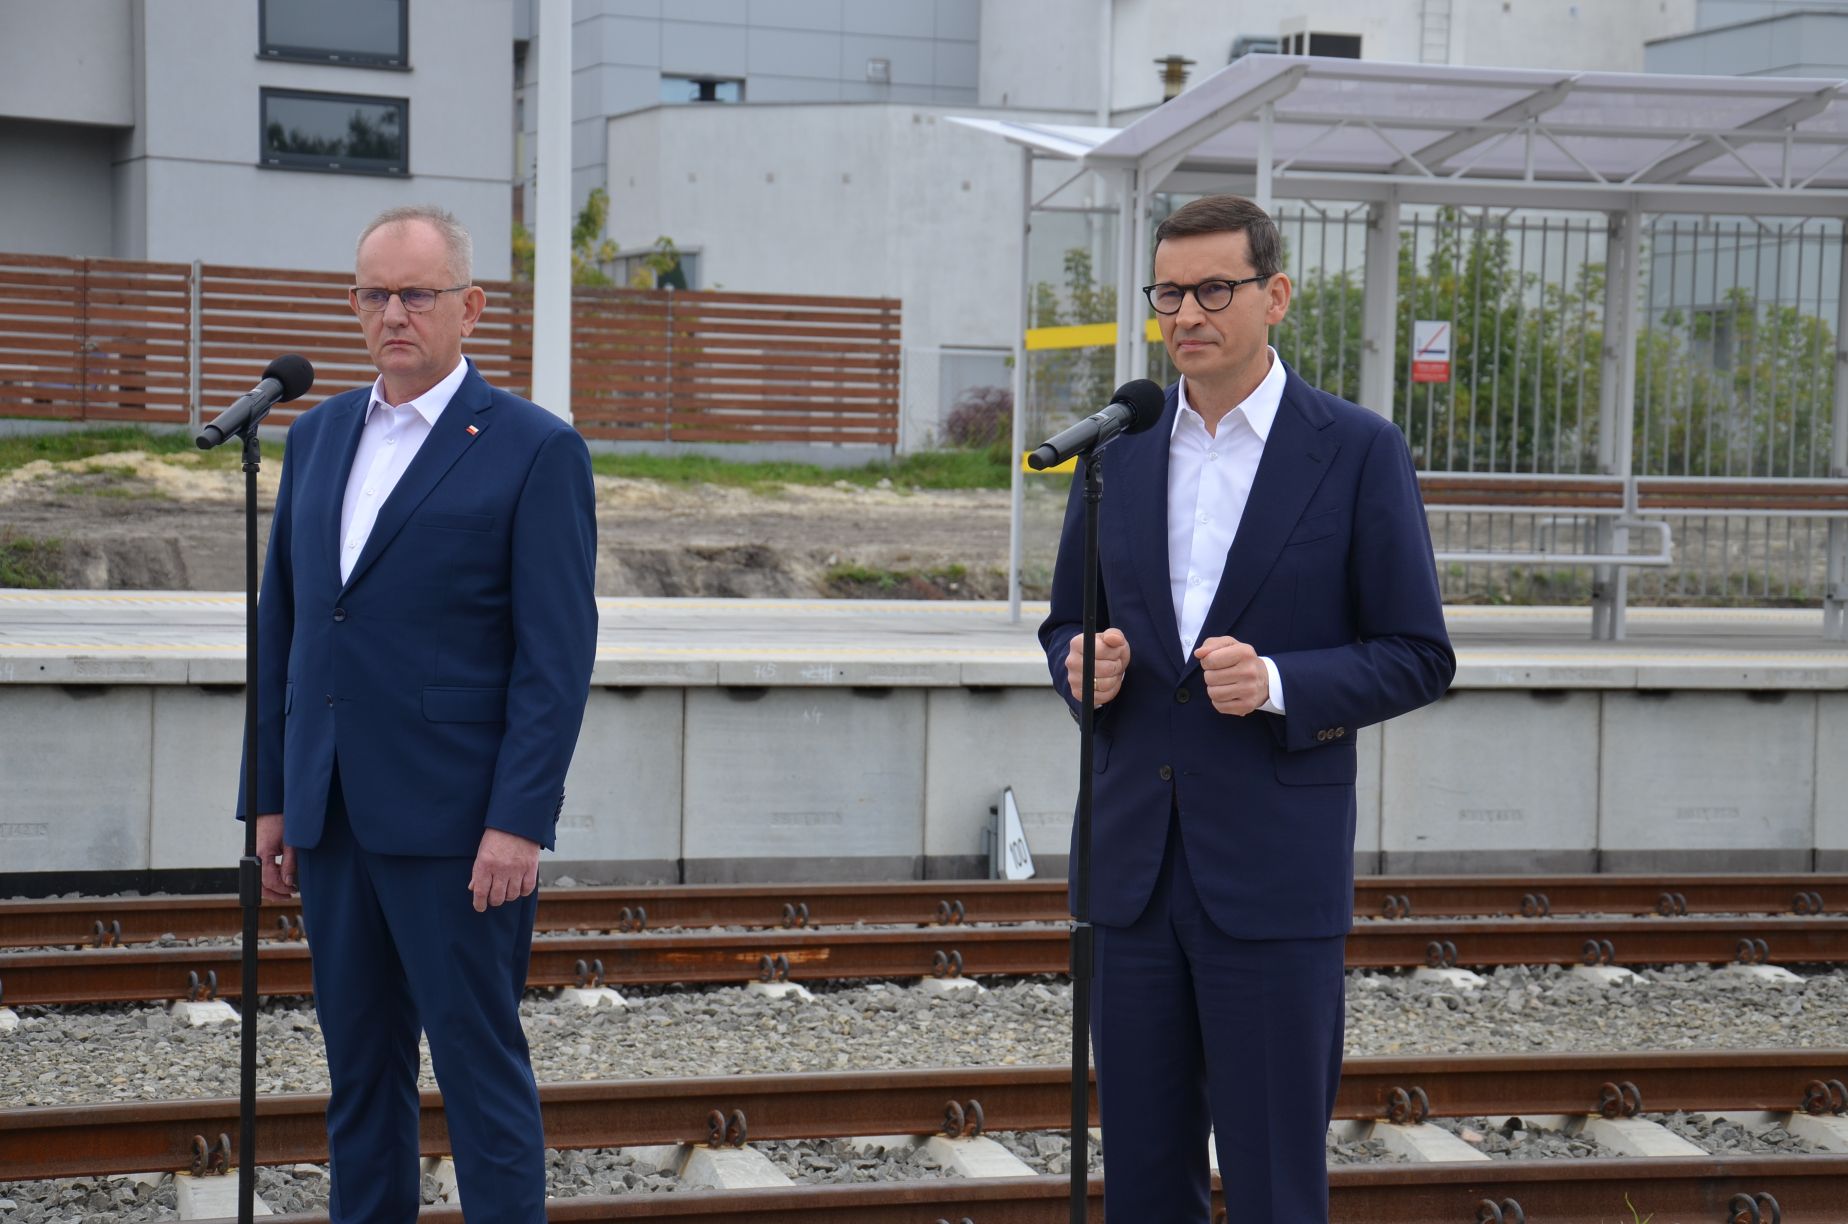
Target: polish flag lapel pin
(472, 431)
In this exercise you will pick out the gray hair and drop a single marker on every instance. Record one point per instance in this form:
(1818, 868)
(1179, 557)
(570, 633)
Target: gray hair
(455, 236)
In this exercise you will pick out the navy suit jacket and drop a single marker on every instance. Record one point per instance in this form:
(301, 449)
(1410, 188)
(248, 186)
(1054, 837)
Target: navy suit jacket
(1331, 575)
(448, 673)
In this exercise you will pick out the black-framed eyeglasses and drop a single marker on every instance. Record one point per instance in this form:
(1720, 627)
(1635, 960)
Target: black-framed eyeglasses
(415, 300)
(1167, 298)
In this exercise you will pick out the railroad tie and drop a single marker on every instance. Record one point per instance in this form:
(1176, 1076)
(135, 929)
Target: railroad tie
(1418, 1142)
(712, 1168)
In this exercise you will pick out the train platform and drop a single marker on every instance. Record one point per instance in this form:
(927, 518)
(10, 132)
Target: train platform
(198, 637)
(770, 740)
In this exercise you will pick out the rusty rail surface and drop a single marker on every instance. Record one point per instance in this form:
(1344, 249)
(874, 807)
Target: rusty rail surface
(1805, 1189)
(133, 974)
(125, 920)
(96, 1140)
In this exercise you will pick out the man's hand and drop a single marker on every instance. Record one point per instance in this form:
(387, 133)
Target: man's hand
(1236, 679)
(277, 859)
(506, 868)
(1112, 665)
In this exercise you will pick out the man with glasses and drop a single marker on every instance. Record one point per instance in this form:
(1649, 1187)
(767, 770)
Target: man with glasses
(427, 630)
(1267, 582)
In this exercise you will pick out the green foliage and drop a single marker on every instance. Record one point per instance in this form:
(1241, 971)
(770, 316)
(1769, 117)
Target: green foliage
(1743, 389)
(854, 581)
(1077, 377)
(20, 449)
(27, 562)
(982, 419)
(589, 248)
(660, 268)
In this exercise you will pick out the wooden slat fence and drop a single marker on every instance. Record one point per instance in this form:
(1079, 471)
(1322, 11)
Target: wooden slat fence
(95, 340)
(735, 367)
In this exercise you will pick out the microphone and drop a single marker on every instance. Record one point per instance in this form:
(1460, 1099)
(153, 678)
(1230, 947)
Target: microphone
(287, 378)
(1135, 407)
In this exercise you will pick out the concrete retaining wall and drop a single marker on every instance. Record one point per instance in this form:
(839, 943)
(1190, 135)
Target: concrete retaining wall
(698, 778)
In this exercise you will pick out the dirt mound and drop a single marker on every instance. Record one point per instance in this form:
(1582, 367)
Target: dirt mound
(134, 520)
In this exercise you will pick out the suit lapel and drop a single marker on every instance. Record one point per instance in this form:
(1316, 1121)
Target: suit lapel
(449, 437)
(344, 433)
(1138, 473)
(1296, 457)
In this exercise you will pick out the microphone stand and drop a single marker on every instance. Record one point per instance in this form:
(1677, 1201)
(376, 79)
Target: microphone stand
(249, 870)
(1082, 932)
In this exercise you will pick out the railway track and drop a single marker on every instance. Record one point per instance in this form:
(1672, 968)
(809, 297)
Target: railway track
(128, 920)
(1793, 1190)
(121, 974)
(97, 1140)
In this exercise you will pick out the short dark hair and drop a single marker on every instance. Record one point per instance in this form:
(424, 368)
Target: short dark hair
(1228, 214)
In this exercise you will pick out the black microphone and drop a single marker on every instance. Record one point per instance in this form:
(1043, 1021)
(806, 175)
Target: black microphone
(287, 378)
(1135, 406)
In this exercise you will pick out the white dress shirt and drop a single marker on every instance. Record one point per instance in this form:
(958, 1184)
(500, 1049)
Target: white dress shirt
(388, 442)
(1209, 481)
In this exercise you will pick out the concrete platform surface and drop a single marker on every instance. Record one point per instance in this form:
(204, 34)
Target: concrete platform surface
(779, 740)
(65, 637)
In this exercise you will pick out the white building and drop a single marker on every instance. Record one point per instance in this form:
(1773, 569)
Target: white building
(266, 131)
(254, 132)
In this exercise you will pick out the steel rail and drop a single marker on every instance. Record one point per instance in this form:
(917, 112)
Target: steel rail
(140, 974)
(97, 1140)
(127, 920)
(1805, 1188)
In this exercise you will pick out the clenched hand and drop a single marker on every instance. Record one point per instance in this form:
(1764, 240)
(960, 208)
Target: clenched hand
(1236, 679)
(1112, 665)
(506, 868)
(277, 859)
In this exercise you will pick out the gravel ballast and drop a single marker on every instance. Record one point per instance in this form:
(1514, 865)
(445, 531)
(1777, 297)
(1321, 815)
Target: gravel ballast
(76, 1055)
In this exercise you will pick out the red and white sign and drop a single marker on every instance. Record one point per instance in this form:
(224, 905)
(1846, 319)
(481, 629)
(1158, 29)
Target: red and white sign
(1430, 351)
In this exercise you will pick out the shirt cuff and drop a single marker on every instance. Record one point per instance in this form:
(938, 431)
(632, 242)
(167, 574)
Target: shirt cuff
(1275, 704)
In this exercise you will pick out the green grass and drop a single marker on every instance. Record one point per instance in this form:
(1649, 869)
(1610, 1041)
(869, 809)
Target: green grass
(949, 469)
(927, 470)
(18, 450)
(26, 562)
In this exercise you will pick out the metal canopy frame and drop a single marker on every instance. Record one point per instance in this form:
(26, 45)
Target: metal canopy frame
(1623, 144)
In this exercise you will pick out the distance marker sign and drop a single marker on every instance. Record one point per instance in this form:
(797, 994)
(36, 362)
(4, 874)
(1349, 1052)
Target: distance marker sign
(1430, 351)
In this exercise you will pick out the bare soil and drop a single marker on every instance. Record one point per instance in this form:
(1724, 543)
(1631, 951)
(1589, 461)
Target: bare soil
(163, 522)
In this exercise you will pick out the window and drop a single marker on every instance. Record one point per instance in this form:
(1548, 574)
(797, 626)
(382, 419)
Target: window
(701, 89)
(375, 33)
(327, 131)
(1335, 46)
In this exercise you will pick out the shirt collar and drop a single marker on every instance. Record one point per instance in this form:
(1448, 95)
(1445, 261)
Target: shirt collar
(430, 404)
(1259, 408)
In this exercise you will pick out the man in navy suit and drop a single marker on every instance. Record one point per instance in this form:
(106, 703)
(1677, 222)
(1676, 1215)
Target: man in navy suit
(1267, 582)
(427, 628)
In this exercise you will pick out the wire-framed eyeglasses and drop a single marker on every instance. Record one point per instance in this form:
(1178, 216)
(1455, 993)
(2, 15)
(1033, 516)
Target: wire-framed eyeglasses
(415, 300)
(1167, 298)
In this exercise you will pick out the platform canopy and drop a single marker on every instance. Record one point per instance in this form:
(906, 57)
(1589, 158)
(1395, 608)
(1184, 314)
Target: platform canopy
(1447, 134)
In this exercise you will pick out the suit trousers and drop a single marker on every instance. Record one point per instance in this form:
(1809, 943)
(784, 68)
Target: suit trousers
(397, 947)
(1195, 1029)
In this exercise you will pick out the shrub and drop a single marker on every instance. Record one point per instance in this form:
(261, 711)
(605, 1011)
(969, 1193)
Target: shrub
(981, 417)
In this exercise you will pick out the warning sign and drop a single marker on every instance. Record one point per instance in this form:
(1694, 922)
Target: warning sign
(1430, 351)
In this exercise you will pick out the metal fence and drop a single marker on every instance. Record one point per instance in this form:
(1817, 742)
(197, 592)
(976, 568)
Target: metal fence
(1735, 375)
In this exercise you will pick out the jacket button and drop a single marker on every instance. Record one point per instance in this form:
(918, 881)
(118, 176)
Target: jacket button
(339, 614)
(330, 699)
(1322, 735)
(1166, 772)
(1183, 696)
(1340, 731)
